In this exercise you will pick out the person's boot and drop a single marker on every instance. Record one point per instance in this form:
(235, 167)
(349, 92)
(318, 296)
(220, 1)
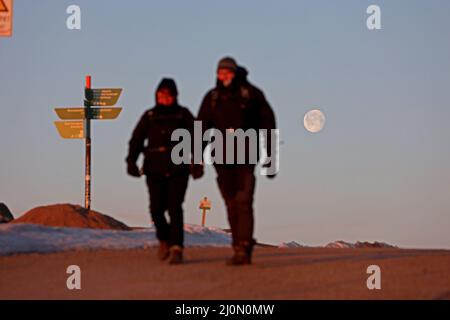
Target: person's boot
(163, 250)
(242, 254)
(176, 255)
(249, 248)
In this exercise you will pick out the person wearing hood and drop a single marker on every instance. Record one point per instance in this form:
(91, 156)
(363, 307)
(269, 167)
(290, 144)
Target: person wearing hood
(234, 104)
(167, 182)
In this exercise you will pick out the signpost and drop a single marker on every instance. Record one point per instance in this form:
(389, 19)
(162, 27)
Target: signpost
(87, 160)
(81, 129)
(205, 204)
(80, 113)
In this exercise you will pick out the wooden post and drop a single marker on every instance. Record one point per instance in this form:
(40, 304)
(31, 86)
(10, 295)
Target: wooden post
(203, 217)
(87, 175)
(205, 204)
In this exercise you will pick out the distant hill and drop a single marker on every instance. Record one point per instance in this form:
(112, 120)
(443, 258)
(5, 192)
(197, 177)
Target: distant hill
(343, 244)
(340, 245)
(72, 216)
(5, 214)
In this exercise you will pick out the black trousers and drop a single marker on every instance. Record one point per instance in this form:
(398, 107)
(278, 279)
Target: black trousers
(167, 194)
(237, 186)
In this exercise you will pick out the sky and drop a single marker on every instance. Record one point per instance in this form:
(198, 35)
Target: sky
(378, 171)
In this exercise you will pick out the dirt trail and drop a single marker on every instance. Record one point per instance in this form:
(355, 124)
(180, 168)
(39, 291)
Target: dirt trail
(276, 274)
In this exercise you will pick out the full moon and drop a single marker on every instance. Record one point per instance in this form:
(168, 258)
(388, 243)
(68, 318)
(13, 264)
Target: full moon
(314, 120)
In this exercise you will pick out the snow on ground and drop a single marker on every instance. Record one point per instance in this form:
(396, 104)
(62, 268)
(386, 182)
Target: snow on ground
(291, 244)
(348, 245)
(340, 245)
(33, 238)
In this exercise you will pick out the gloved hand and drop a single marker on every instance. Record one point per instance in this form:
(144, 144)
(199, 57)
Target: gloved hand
(133, 170)
(197, 171)
(270, 176)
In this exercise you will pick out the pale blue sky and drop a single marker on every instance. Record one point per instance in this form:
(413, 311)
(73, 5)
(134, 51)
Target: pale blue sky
(380, 169)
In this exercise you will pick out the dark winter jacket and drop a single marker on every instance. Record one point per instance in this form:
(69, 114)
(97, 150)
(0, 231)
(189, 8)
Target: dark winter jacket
(152, 137)
(240, 105)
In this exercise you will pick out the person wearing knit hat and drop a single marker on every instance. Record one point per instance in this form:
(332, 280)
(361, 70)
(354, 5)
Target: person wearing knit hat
(233, 104)
(227, 63)
(226, 71)
(169, 85)
(167, 182)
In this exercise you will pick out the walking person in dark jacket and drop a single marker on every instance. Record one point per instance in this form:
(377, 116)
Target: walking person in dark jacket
(236, 104)
(167, 182)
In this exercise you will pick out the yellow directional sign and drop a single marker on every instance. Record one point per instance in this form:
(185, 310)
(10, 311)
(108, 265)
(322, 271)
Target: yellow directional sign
(103, 97)
(105, 113)
(6, 18)
(70, 113)
(70, 129)
(95, 113)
